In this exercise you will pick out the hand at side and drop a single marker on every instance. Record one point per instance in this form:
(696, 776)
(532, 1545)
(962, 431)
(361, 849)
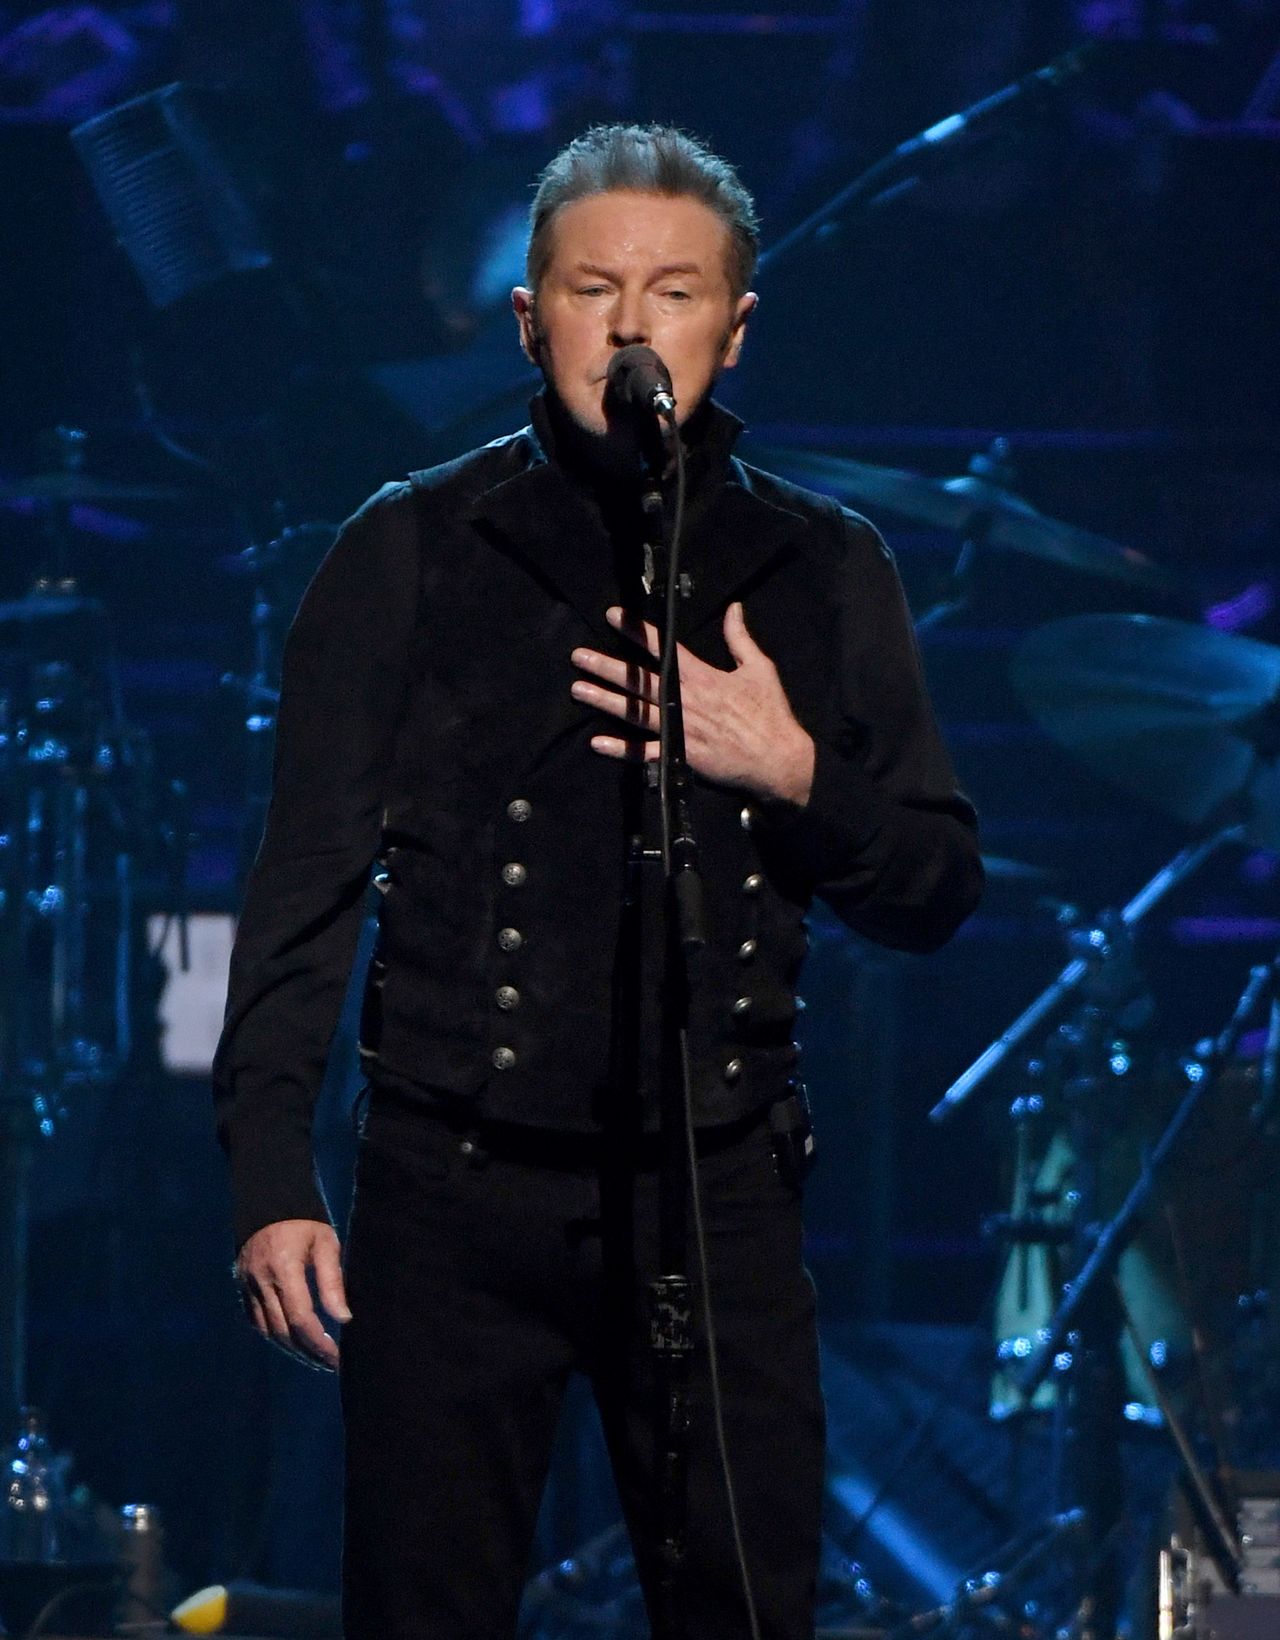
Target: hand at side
(276, 1268)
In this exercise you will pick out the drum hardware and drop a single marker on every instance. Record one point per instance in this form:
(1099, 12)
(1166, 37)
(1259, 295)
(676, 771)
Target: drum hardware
(1091, 946)
(1193, 1600)
(75, 816)
(1201, 1071)
(1025, 1231)
(66, 874)
(253, 695)
(1263, 1113)
(1225, 1544)
(279, 571)
(68, 484)
(1190, 719)
(996, 1597)
(1091, 1300)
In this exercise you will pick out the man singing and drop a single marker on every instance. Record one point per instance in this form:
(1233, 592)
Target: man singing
(469, 711)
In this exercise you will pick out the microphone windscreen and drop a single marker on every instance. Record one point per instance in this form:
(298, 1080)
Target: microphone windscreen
(635, 374)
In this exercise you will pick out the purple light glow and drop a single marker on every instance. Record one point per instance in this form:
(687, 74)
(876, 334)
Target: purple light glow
(1245, 609)
(1225, 930)
(1260, 867)
(108, 525)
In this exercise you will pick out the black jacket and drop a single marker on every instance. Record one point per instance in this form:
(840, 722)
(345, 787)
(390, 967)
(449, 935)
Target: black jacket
(426, 726)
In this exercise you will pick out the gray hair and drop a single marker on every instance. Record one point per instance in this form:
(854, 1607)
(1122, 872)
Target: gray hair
(647, 159)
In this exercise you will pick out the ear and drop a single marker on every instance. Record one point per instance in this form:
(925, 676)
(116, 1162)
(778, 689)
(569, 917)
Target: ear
(522, 305)
(743, 309)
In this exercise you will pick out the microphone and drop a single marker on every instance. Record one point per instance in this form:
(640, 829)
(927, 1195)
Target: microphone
(875, 186)
(1049, 78)
(640, 382)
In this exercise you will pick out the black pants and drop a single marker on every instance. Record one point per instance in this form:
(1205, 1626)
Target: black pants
(477, 1281)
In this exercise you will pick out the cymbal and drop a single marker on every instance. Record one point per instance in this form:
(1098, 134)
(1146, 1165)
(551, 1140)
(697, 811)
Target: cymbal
(37, 608)
(70, 488)
(1001, 868)
(1184, 716)
(970, 503)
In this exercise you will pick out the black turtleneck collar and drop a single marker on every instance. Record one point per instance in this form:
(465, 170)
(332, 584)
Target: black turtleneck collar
(594, 464)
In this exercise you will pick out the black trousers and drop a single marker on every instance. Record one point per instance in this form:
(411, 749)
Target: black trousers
(481, 1270)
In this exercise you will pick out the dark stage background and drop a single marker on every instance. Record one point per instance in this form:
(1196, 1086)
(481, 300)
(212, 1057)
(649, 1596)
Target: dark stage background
(1096, 282)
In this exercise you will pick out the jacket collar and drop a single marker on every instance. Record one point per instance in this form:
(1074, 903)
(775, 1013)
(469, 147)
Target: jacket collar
(550, 516)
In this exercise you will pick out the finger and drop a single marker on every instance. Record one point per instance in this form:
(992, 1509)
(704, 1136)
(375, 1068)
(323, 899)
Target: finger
(642, 632)
(306, 1333)
(642, 713)
(275, 1326)
(253, 1309)
(632, 751)
(742, 646)
(636, 679)
(327, 1262)
(645, 633)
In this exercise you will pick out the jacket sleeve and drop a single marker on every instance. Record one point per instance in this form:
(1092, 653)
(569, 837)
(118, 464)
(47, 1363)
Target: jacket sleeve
(344, 681)
(886, 837)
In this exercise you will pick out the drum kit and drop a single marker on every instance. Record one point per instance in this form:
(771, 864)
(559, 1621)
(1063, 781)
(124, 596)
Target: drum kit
(76, 806)
(1131, 1260)
(93, 852)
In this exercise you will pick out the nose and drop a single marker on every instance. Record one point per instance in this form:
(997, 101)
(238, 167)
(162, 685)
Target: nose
(628, 323)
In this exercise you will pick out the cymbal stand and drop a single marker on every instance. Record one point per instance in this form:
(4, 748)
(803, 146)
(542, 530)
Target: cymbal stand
(1072, 977)
(1074, 1072)
(994, 467)
(260, 696)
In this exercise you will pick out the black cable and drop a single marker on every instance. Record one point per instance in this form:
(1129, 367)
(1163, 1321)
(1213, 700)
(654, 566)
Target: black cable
(51, 1606)
(713, 1362)
(669, 661)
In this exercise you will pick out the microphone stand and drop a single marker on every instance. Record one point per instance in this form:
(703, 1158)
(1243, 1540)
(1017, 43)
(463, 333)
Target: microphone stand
(901, 169)
(670, 1297)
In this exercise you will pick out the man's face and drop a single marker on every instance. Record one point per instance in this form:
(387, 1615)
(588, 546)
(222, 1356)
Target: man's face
(633, 267)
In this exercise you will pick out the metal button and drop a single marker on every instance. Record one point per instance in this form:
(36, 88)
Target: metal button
(746, 817)
(742, 1006)
(506, 996)
(746, 950)
(510, 939)
(732, 1071)
(753, 884)
(503, 1058)
(513, 874)
(519, 810)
